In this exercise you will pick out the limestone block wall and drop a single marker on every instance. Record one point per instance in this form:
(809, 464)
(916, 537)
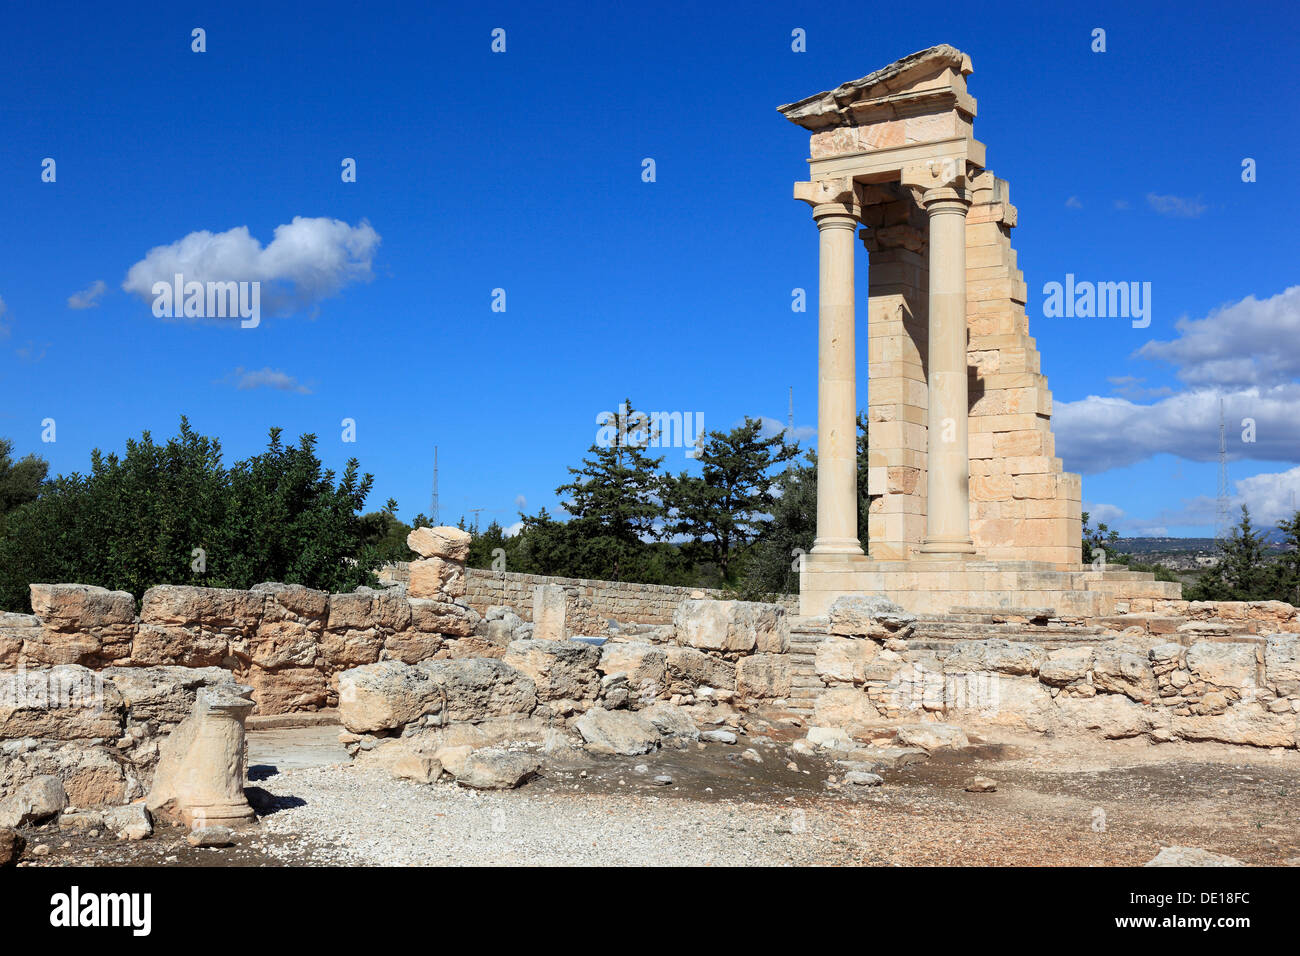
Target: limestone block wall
(1023, 505)
(287, 641)
(1240, 691)
(591, 604)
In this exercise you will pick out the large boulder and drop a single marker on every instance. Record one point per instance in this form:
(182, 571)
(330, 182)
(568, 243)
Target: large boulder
(232, 612)
(872, 616)
(476, 688)
(617, 732)
(561, 670)
(386, 696)
(496, 769)
(932, 736)
(1066, 666)
(77, 606)
(437, 579)
(1245, 723)
(67, 702)
(441, 542)
(35, 802)
(1120, 669)
(844, 706)
(443, 617)
(1113, 716)
(671, 720)
(689, 668)
(641, 662)
(732, 626)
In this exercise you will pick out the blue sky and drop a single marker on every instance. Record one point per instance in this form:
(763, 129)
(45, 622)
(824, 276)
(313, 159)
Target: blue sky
(522, 171)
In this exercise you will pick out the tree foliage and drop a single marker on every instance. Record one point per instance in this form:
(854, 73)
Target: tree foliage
(174, 514)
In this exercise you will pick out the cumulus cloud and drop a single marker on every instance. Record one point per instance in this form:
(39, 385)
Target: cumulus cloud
(1073, 203)
(1180, 207)
(513, 529)
(1101, 512)
(307, 260)
(1098, 433)
(1131, 387)
(1251, 342)
(88, 298)
(244, 379)
(771, 427)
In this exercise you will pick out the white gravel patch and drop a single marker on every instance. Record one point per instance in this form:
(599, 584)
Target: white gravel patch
(354, 816)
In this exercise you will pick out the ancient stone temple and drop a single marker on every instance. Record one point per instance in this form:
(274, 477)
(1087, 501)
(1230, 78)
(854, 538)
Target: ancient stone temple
(970, 506)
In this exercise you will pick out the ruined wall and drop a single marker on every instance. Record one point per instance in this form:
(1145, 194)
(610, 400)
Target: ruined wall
(1238, 690)
(591, 604)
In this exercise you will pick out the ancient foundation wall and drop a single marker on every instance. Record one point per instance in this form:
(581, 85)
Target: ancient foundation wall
(590, 604)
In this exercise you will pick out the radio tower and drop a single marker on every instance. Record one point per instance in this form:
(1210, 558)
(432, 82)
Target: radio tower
(433, 499)
(1221, 518)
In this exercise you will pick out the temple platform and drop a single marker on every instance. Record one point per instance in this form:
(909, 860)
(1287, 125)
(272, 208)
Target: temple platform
(941, 586)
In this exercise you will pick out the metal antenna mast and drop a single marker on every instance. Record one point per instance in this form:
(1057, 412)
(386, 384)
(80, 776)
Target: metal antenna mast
(1221, 518)
(433, 501)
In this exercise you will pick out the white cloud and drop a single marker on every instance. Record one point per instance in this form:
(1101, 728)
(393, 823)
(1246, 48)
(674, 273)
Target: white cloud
(1130, 387)
(513, 529)
(1180, 207)
(4, 326)
(308, 260)
(1251, 342)
(244, 379)
(1270, 497)
(1102, 512)
(88, 298)
(521, 502)
(1073, 203)
(772, 427)
(1099, 433)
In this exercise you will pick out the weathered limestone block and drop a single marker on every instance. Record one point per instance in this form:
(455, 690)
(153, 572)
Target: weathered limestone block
(352, 648)
(156, 645)
(495, 769)
(365, 609)
(1120, 669)
(66, 702)
(932, 736)
(231, 612)
(1065, 666)
(688, 668)
(411, 647)
(35, 801)
(550, 605)
(476, 688)
(617, 732)
(289, 632)
(764, 675)
(996, 655)
(1009, 701)
(386, 696)
(732, 626)
(15, 630)
(71, 607)
(670, 720)
(851, 660)
(437, 578)
(561, 670)
(80, 624)
(1114, 716)
(287, 690)
(1282, 664)
(443, 617)
(844, 706)
(1223, 665)
(441, 542)
(642, 663)
(870, 616)
(200, 776)
(162, 695)
(1245, 723)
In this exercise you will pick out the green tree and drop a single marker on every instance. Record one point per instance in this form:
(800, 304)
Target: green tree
(722, 510)
(173, 514)
(20, 481)
(1242, 573)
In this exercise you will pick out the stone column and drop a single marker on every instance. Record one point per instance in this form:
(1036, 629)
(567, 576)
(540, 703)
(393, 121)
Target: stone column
(947, 520)
(836, 210)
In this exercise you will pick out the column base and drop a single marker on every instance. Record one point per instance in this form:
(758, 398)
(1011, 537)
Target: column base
(957, 547)
(837, 546)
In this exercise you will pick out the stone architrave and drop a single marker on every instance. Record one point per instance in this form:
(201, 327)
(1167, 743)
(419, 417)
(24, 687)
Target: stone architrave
(549, 607)
(200, 777)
